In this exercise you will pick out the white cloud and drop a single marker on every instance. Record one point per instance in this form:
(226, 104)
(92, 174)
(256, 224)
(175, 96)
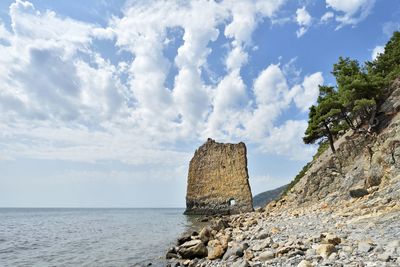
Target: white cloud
(283, 140)
(27, 22)
(4, 33)
(379, 49)
(43, 76)
(327, 17)
(244, 17)
(142, 31)
(270, 86)
(292, 71)
(304, 20)
(228, 104)
(272, 96)
(347, 6)
(351, 12)
(390, 27)
(62, 99)
(307, 93)
(236, 58)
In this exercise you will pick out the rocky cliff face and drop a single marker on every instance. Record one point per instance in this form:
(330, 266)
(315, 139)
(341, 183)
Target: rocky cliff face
(218, 180)
(363, 163)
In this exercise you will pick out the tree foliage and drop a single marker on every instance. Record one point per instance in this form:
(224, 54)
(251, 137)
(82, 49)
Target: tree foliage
(387, 65)
(323, 117)
(354, 100)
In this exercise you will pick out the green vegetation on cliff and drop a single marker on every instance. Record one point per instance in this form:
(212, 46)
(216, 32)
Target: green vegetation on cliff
(353, 102)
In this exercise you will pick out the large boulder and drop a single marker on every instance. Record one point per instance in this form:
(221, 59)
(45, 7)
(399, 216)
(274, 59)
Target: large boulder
(205, 234)
(193, 249)
(215, 250)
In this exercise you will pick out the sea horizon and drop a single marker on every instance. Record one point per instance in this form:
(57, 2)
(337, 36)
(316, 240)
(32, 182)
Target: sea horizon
(92, 207)
(38, 236)
(199, 133)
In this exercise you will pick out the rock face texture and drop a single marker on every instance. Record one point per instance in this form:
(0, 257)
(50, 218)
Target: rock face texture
(363, 163)
(218, 181)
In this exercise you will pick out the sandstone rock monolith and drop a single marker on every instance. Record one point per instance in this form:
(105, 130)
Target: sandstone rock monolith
(218, 180)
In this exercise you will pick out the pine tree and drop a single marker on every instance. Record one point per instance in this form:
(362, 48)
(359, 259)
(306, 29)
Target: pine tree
(356, 97)
(324, 118)
(387, 65)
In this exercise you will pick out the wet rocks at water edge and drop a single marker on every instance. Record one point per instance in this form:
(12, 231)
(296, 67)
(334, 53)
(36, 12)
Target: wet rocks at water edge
(313, 236)
(192, 249)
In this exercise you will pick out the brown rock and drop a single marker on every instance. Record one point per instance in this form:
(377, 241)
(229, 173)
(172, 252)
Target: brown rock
(324, 250)
(248, 254)
(184, 238)
(305, 263)
(218, 181)
(192, 249)
(275, 230)
(219, 225)
(205, 234)
(332, 239)
(215, 250)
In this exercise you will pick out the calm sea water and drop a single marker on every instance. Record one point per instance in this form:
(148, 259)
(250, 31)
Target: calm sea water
(88, 237)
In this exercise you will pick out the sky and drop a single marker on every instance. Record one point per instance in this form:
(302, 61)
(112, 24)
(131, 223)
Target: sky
(103, 103)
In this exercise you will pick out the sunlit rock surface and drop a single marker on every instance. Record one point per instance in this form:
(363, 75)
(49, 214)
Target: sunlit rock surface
(218, 181)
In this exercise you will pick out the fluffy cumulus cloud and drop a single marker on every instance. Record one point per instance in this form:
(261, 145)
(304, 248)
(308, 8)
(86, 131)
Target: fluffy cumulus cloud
(379, 49)
(304, 20)
(62, 98)
(273, 96)
(349, 12)
(283, 140)
(307, 93)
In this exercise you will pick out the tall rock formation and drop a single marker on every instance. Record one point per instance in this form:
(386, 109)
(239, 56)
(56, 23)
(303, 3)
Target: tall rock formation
(218, 181)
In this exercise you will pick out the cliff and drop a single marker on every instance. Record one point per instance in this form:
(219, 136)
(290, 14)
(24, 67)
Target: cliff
(218, 181)
(365, 164)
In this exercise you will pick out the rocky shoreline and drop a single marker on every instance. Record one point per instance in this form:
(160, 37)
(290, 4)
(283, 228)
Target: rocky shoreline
(359, 232)
(344, 210)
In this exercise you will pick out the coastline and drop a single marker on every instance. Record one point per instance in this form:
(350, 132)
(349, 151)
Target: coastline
(316, 235)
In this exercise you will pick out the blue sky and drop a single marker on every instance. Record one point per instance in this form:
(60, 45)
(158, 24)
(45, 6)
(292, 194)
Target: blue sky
(102, 103)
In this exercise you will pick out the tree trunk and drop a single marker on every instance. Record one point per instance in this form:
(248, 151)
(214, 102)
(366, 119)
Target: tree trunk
(373, 121)
(330, 137)
(348, 120)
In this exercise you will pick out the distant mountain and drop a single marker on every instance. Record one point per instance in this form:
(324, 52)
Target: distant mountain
(262, 199)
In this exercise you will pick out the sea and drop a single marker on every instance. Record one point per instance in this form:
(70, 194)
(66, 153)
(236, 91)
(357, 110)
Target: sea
(89, 237)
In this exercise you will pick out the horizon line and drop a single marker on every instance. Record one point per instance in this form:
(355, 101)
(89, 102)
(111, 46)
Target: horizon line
(91, 207)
